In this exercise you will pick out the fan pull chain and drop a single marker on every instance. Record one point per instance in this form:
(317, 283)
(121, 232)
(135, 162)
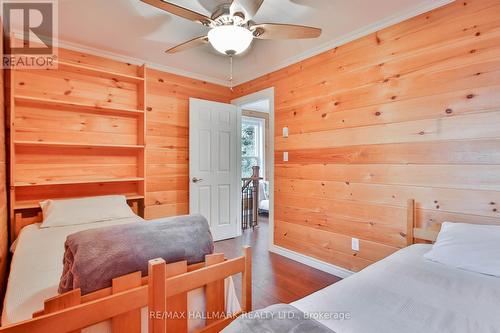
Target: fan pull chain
(231, 72)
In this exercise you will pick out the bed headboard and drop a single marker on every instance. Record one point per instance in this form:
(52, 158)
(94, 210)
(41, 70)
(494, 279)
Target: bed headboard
(29, 216)
(427, 231)
(414, 233)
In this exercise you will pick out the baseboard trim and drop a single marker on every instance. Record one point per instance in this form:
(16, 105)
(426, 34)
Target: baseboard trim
(313, 262)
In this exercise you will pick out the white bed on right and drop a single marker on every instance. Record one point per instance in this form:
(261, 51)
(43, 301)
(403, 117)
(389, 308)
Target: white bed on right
(406, 293)
(451, 286)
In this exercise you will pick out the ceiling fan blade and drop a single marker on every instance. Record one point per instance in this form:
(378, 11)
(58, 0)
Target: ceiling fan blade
(245, 8)
(179, 11)
(195, 42)
(284, 31)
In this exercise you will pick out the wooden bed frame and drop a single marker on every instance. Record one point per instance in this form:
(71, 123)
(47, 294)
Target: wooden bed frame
(413, 233)
(164, 291)
(29, 216)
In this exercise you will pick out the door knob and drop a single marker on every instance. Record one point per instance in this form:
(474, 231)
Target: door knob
(196, 180)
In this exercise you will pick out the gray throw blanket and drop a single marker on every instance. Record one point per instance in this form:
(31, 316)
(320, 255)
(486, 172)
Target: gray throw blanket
(277, 318)
(94, 257)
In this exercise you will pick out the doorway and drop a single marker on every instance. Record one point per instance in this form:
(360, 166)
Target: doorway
(257, 150)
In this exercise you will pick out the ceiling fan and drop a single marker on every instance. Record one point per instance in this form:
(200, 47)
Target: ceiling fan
(231, 27)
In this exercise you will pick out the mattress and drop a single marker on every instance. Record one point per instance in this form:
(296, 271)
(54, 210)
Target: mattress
(407, 293)
(37, 267)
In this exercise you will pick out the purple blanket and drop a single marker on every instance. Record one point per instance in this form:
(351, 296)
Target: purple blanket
(94, 257)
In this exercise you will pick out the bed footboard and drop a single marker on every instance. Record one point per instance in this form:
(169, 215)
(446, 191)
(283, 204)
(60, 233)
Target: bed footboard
(164, 291)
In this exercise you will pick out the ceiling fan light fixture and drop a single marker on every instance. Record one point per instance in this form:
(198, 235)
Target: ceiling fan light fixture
(230, 39)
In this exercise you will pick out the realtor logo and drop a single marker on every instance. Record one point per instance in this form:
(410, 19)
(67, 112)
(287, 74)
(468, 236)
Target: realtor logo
(30, 29)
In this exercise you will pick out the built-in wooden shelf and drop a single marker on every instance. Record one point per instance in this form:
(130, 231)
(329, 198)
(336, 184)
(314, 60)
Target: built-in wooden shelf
(50, 102)
(99, 72)
(60, 105)
(78, 181)
(30, 204)
(75, 145)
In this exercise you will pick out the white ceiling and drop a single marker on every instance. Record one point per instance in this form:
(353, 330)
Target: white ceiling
(133, 29)
(259, 106)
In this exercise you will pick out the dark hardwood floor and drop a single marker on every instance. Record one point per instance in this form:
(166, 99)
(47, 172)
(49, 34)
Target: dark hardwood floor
(275, 279)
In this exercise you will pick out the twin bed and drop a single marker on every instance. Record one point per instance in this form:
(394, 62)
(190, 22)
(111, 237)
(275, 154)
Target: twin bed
(37, 265)
(405, 292)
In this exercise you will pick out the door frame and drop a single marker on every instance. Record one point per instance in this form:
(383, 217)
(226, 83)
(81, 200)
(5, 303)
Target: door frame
(259, 95)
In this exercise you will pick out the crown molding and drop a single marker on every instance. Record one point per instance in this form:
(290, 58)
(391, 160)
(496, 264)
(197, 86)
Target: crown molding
(427, 6)
(136, 61)
(131, 60)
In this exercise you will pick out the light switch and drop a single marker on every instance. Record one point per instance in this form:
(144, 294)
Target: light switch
(285, 132)
(355, 244)
(285, 156)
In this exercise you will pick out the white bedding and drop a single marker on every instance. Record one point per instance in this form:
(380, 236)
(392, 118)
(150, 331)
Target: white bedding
(407, 293)
(37, 267)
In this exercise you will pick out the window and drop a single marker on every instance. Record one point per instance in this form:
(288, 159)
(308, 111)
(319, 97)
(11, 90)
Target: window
(252, 145)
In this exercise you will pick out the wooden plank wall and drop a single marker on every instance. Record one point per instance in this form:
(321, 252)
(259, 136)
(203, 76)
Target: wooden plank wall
(4, 235)
(167, 151)
(412, 111)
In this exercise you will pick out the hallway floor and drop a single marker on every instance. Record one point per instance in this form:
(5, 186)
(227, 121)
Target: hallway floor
(275, 279)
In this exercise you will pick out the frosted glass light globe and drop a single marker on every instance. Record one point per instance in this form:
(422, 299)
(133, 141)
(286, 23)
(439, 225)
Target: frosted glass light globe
(230, 39)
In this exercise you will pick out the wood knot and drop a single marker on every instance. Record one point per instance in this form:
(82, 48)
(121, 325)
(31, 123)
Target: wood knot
(492, 203)
(394, 97)
(347, 183)
(149, 108)
(378, 113)
(473, 51)
(67, 92)
(449, 111)
(22, 83)
(336, 103)
(421, 133)
(469, 96)
(161, 80)
(478, 34)
(323, 115)
(294, 113)
(495, 210)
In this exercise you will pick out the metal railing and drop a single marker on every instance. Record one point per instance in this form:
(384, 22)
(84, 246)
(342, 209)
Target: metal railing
(250, 200)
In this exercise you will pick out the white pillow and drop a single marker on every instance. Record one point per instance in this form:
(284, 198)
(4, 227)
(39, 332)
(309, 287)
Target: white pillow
(471, 247)
(58, 213)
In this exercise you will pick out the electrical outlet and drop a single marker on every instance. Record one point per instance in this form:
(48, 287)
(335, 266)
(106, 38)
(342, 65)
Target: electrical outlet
(285, 132)
(285, 156)
(355, 244)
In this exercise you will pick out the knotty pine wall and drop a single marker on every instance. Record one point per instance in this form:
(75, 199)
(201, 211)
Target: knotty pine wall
(4, 235)
(412, 111)
(167, 151)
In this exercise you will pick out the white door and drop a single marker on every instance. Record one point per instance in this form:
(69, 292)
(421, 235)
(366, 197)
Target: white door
(214, 172)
